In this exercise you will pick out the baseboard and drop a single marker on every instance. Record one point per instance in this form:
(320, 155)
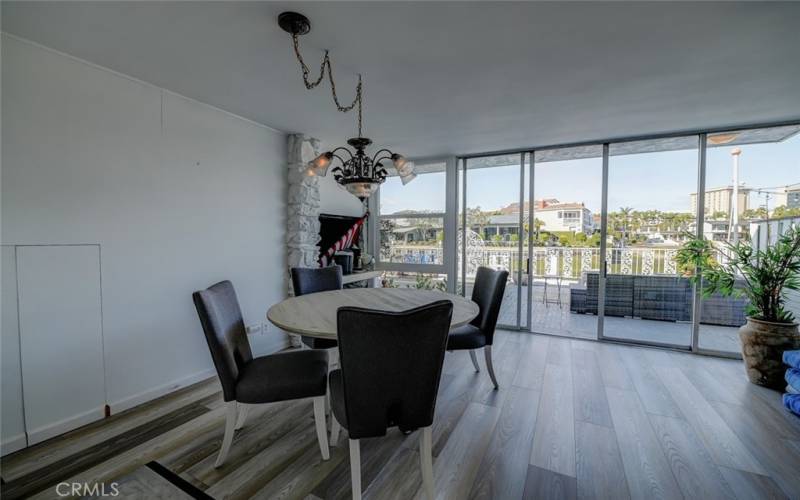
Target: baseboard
(57, 428)
(143, 397)
(161, 390)
(13, 444)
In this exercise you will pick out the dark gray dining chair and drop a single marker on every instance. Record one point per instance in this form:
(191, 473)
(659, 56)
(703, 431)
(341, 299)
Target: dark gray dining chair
(308, 280)
(391, 363)
(248, 381)
(487, 292)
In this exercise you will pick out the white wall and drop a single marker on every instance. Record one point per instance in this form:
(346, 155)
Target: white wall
(177, 194)
(335, 200)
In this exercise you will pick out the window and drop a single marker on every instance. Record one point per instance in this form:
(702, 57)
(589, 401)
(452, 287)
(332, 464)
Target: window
(411, 219)
(750, 177)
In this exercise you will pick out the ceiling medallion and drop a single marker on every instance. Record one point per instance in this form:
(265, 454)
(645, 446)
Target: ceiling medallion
(358, 173)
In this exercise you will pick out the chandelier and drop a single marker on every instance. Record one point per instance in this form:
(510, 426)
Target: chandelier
(356, 171)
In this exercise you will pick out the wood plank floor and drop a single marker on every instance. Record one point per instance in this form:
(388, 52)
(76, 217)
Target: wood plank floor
(572, 419)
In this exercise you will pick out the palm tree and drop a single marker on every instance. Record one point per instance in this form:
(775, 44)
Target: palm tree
(625, 212)
(538, 223)
(476, 217)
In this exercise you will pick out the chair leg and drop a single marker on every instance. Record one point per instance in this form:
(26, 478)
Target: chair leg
(243, 411)
(333, 358)
(487, 352)
(333, 362)
(426, 461)
(355, 468)
(322, 427)
(230, 427)
(336, 427)
(474, 360)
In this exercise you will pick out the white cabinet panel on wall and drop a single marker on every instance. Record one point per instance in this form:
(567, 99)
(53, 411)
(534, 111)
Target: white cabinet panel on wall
(60, 337)
(13, 420)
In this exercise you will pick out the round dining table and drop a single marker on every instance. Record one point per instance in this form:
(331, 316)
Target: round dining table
(314, 314)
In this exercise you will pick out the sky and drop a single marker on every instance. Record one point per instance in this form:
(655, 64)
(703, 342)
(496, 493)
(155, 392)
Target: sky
(651, 181)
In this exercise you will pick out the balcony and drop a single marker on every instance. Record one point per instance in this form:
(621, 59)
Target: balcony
(647, 300)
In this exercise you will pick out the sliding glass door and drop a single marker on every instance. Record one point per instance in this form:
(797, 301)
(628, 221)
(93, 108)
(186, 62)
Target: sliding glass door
(491, 228)
(752, 196)
(590, 234)
(564, 259)
(648, 299)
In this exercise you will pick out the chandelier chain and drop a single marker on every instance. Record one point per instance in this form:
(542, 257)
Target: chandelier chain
(326, 63)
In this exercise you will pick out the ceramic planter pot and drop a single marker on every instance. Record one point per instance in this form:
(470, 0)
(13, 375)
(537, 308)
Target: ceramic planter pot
(763, 343)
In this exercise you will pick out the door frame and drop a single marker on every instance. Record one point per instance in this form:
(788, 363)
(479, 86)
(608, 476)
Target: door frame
(461, 204)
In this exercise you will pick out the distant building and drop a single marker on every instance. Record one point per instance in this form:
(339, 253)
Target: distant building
(564, 217)
(719, 200)
(503, 225)
(764, 233)
(554, 216)
(718, 230)
(412, 234)
(789, 197)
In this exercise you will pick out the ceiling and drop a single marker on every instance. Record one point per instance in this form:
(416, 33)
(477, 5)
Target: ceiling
(452, 77)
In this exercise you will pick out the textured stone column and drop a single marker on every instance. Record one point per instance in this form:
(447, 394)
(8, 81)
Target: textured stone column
(302, 231)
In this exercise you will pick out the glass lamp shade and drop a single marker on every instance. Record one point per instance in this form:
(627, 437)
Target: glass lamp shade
(408, 178)
(398, 161)
(319, 165)
(361, 190)
(406, 172)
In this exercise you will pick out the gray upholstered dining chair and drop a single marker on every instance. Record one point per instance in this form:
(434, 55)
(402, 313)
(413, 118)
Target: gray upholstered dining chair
(487, 292)
(308, 280)
(248, 381)
(391, 363)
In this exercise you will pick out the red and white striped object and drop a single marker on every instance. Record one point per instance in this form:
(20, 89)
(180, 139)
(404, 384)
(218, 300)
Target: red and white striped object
(343, 243)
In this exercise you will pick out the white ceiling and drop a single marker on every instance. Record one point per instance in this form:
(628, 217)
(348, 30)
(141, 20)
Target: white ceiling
(452, 77)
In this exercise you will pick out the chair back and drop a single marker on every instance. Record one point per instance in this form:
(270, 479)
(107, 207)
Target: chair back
(487, 292)
(308, 280)
(223, 326)
(391, 364)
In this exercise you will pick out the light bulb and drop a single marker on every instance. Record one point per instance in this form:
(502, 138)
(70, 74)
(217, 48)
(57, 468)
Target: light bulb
(319, 165)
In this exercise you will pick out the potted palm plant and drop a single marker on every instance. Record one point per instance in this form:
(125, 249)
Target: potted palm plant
(763, 276)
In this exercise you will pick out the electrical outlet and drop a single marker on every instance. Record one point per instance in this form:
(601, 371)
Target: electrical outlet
(265, 327)
(253, 329)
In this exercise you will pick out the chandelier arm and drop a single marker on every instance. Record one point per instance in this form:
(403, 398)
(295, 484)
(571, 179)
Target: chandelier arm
(341, 148)
(375, 158)
(341, 160)
(381, 159)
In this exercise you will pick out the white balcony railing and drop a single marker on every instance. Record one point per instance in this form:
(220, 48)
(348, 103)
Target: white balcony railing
(565, 262)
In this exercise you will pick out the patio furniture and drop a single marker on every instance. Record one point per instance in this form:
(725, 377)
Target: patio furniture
(724, 311)
(654, 297)
(546, 299)
(662, 298)
(577, 300)
(619, 294)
